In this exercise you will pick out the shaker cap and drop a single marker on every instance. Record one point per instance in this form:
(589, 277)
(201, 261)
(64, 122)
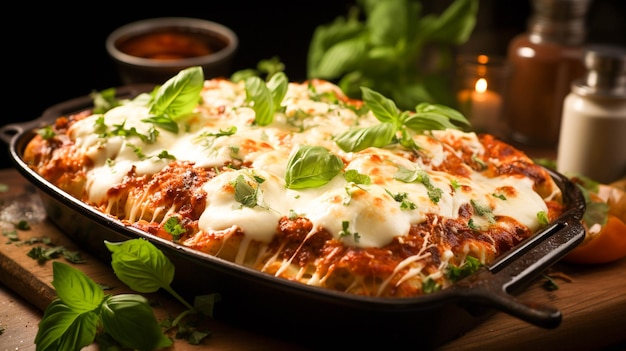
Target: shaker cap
(606, 71)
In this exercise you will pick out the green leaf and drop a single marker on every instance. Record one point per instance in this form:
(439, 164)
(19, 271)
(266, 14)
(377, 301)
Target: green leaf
(342, 57)
(428, 121)
(205, 303)
(140, 265)
(131, 321)
(387, 22)
(104, 100)
(354, 140)
(426, 109)
(179, 95)
(470, 266)
(392, 49)
(245, 193)
(327, 35)
(164, 122)
(455, 24)
(311, 167)
(382, 107)
(419, 176)
(262, 103)
(352, 175)
(75, 289)
(63, 328)
(278, 85)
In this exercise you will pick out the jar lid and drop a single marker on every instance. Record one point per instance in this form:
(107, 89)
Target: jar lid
(559, 21)
(561, 9)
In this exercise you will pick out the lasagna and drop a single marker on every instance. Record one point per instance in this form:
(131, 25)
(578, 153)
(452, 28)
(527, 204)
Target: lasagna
(296, 180)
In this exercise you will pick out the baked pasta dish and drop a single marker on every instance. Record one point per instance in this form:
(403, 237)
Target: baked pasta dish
(300, 182)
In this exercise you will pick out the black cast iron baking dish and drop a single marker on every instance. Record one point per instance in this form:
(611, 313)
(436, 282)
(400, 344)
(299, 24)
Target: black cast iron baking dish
(312, 316)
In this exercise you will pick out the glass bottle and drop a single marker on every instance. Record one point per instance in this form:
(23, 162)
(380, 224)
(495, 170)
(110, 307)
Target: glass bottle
(593, 130)
(544, 61)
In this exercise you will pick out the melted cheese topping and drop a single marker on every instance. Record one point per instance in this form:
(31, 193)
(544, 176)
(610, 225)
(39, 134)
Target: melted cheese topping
(353, 216)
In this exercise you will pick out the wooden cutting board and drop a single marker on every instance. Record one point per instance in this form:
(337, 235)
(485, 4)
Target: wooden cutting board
(592, 299)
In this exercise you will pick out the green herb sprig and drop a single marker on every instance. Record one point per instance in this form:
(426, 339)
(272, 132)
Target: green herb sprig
(75, 318)
(266, 98)
(385, 45)
(470, 266)
(169, 103)
(394, 121)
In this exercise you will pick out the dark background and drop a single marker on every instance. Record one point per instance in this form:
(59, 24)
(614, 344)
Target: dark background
(52, 52)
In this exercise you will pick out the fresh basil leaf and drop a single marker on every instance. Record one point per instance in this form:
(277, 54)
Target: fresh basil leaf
(131, 321)
(326, 36)
(75, 289)
(104, 100)
(164, 122)
(341, 57)
(428, 121)
(388, 22)
(140, 265)
(311, 167)
(63, 328)
(179, 95)
(205, 303)
(270, 67)
(243, 74)
(352, 175)
(455, 24)
(383, 108)
(261, 97)
(389, 46)
(378, 135)
(453, 115)
(277, 85)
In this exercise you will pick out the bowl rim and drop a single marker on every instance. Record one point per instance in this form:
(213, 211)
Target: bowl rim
(141, 26)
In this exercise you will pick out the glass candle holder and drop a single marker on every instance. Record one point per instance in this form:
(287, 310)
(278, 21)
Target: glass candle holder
(480, 85)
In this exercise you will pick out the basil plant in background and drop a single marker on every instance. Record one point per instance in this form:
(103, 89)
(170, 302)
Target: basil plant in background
(392, 47)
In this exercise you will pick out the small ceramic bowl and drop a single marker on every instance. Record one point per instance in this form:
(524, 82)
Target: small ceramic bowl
(156, 49)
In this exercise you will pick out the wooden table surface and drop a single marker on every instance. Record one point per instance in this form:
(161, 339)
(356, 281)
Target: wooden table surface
(592, 300)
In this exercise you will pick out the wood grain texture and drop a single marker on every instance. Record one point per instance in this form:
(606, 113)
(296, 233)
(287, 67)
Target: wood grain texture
(592, 300)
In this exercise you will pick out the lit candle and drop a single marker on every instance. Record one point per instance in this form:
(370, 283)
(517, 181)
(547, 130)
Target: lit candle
(481, 106)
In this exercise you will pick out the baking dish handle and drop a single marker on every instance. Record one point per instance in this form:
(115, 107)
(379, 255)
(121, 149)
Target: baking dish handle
(492, 287)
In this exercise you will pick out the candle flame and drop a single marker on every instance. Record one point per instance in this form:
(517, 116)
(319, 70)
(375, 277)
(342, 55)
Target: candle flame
(481, 85)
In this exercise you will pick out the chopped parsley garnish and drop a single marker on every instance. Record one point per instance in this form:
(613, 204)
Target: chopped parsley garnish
(483, 211)
(542, 216)
(403, 199)
(499, 196)
(46, 132)
(345, 231)
(470, 266)
(429, 286)
(419, 176)
(455, 184)
(173, 226)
